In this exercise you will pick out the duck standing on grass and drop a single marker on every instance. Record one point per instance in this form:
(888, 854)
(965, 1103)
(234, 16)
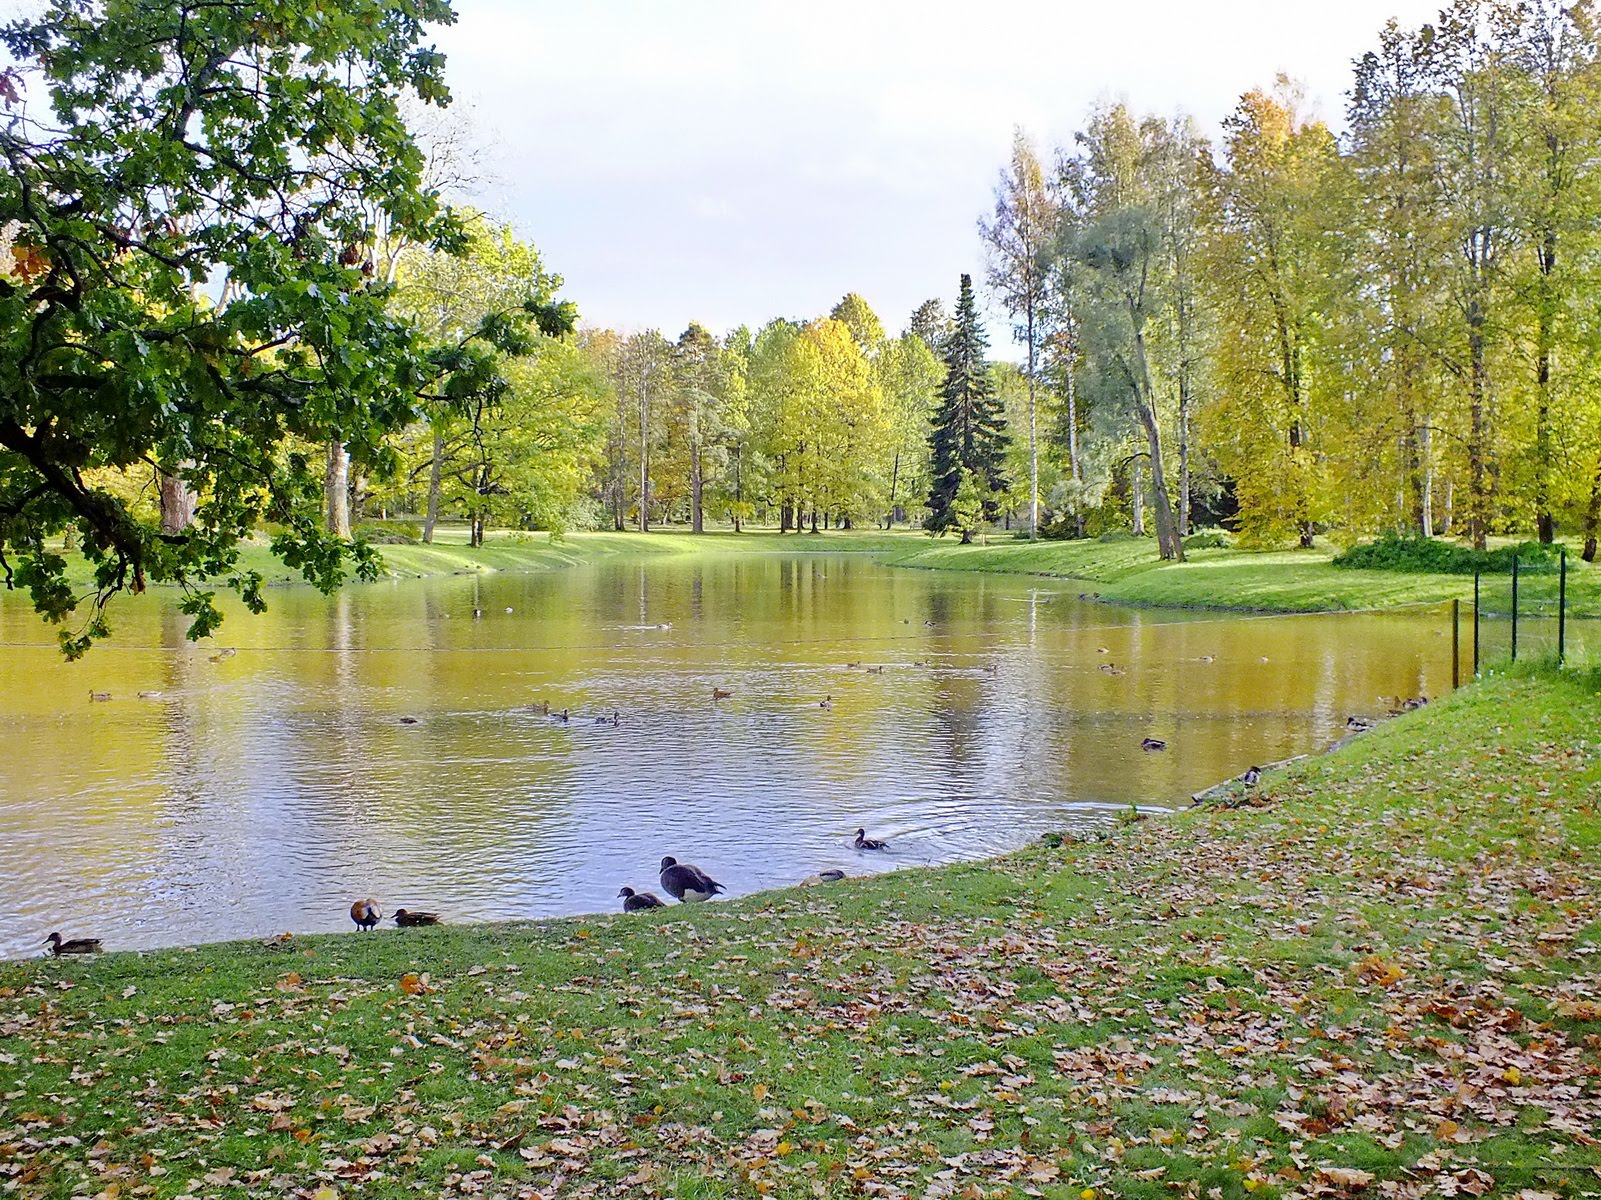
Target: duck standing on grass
(366, 914)
(639, 901)
(685, 882)
(863, 842)
(408, 919)
(73, 945)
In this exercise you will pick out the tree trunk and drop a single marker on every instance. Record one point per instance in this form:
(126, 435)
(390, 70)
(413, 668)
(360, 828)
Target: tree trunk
(436, 469)
(1448, 521)
(696, 521)
(1074, 468)
(1169, 544)
(1033, 446)
(177, 504)
(739, 488)
(1592, 517)
(894, 482)
(1136, 492)
(336, 490)
(1184, 459)
(1543, 340)
(1426, 454)
(1478, 432)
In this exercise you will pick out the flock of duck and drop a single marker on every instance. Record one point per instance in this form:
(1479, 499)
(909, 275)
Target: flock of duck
(684, 882)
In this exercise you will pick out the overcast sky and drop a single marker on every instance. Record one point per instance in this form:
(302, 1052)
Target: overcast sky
(730, 161)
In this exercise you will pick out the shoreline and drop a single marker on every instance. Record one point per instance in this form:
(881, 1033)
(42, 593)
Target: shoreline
(1387, 969)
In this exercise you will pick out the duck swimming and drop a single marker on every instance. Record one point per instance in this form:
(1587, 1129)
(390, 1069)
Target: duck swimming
(639, 901)
(863, 842)
(1153, 744)
(685, 882)
(719, 694)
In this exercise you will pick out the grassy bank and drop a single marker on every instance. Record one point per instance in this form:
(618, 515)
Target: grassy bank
(1128, 572)
(449, 553)
(1388, 974)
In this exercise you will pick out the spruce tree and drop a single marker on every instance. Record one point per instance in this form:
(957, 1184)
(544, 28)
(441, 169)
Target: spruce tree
(969, 431)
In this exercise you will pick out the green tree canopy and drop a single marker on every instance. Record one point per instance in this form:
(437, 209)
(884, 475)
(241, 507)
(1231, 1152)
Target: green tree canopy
(191, 196)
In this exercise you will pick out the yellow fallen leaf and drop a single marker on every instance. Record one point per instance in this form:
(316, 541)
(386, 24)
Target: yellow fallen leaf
(1446, 1130)
(411, 983)
(1513, 1076)
(1346, 1176)
(760, 1092)
(783, 1148)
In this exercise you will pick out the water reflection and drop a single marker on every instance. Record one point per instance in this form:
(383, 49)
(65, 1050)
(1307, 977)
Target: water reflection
(383, 742)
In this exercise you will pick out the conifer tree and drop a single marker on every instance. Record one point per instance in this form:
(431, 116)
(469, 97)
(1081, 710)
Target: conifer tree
(969, 427)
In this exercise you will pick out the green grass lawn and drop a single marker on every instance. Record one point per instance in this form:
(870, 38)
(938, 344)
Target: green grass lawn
(1385, 980)
(1128, 572)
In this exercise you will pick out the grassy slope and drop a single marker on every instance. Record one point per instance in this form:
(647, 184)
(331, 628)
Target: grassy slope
(1392, 967)
(1293, 580)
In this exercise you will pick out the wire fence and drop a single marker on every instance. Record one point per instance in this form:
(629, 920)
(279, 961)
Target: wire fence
(1525, 615)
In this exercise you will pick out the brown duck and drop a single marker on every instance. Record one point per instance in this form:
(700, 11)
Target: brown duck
(72, 946)
(366, 914)
(408, 919)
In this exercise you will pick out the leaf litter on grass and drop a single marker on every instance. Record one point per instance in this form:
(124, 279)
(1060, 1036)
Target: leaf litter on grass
(1383, 983)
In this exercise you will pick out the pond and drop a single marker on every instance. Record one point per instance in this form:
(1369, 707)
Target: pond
(387, 742)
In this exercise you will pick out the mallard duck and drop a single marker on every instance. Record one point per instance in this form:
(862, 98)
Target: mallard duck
(614, 719)
(1206, 658)
(853, 666)
(224, 654)
(1111, 669)
(719, 694)
(152, 695)
(407, 919)
(1251, 777)
(100, 696)
(639, 901)
(562, 716)
(478, 614)
(74, 946)
(826, 702)
(685, 883)
(863, 842)
(409, 721)
(366, 914)
(542, 708)
(1152, 744)
(1414, 704)
(1358, 724)
(1102, 650)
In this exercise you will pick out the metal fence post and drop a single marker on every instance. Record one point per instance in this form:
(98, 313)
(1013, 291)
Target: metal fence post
(1514, 608)
(1562, 611)
(1475, 624)
(1456, 644)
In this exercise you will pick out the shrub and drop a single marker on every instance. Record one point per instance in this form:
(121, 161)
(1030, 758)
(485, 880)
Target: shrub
(1208, 539)
(389, 533)
(1392, 551)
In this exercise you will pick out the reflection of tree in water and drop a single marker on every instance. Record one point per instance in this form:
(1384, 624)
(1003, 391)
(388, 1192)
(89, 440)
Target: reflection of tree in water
(956, 704)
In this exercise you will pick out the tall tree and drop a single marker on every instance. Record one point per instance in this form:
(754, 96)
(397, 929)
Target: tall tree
(866, 329)
(1019, 237)
(166, 144)
(969, 433)
(1269, 262)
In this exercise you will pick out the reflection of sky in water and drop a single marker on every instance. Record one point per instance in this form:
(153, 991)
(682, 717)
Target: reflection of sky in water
(265, 791)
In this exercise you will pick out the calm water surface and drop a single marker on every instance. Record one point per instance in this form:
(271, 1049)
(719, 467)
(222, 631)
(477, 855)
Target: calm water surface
(264, 791)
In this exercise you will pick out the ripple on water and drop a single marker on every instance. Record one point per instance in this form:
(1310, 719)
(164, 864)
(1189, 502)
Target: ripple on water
(265, 791)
